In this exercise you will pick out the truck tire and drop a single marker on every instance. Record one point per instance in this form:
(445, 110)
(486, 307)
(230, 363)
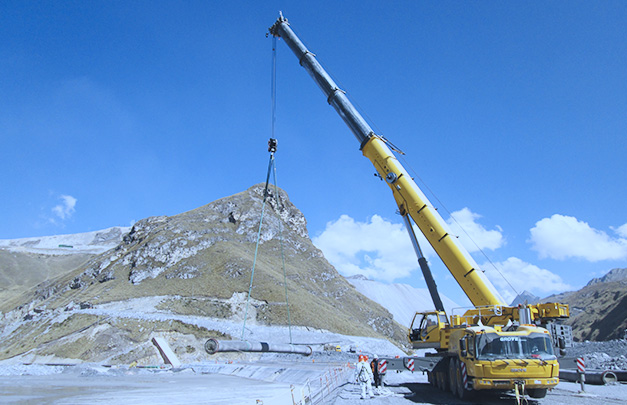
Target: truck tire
(537, 392)
(440, 380)
(445, 377)
(462, 392)
(452, 375)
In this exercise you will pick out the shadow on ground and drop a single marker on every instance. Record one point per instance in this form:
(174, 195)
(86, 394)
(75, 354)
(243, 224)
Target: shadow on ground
(424, 393)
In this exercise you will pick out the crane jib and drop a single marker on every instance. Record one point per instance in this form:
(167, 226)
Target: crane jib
(335, 96)
(406, 193)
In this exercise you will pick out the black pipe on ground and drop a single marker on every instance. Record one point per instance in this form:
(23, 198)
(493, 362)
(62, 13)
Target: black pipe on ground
(596, 377)
(213, 346)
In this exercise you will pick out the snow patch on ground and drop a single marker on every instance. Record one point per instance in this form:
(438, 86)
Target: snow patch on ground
(145, 309)
(95, 242)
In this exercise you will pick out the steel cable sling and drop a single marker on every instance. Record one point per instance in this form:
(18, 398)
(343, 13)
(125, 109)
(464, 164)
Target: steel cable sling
(272, 145)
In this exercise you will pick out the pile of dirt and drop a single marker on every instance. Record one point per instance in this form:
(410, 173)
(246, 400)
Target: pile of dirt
(608, 355)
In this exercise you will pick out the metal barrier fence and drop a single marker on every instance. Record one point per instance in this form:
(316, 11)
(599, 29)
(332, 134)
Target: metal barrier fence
(319, 390)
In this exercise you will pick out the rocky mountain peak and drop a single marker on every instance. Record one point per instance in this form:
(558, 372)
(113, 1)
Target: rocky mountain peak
(244, 210)
(613, 275)
(168, 245)
(525, 297)
(598, 310)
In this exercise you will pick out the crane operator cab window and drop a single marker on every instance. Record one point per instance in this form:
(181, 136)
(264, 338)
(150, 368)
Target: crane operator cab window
(425, 326)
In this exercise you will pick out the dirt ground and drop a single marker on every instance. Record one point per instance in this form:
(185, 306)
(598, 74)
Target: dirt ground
(407, 388)
(97, 385)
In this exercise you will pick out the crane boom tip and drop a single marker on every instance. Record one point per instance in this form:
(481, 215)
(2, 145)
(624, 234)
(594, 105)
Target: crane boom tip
(274, 29)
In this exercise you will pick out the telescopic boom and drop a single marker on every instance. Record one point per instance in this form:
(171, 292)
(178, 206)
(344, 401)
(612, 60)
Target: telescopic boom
(409, 198)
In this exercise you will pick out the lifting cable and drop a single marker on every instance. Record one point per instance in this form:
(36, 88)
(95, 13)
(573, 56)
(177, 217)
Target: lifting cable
(415, 175)
(272, 146)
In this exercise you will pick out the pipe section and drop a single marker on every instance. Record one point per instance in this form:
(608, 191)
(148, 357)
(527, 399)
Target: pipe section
(592, 377)
(213, 346)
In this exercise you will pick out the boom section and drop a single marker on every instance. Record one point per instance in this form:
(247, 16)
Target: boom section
(335, 96)
(412, 201)
(408, 196)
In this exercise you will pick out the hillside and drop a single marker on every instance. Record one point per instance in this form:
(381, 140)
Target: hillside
(176, 273)
(599, 310)
(402, 300)
(26, 262)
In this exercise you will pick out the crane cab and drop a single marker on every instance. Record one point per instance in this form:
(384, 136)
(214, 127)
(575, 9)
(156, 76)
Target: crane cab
(427, 330)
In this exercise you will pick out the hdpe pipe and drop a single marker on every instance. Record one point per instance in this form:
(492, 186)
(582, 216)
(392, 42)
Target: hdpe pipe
(592, 377)
(212, 346)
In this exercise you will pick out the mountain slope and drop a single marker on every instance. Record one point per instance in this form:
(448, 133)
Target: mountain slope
(24, 263)
(599, 310)
(195, 264)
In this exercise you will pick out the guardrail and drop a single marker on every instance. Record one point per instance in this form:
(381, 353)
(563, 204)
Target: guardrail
(320, 389)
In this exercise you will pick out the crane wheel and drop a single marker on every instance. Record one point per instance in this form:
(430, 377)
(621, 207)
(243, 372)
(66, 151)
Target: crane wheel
(452, 372)
(462, 392)
(442, 380)
(439, 380)
(537, 392)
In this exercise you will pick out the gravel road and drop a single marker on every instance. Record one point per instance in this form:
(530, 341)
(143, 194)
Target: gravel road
(407, 388)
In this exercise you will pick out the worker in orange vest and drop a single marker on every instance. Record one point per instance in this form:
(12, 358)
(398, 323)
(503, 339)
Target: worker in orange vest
(363, 375)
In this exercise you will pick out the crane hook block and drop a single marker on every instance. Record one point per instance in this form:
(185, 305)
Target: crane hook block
(272, 145)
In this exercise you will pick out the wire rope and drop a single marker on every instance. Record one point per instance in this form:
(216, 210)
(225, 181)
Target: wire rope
(273, 87)
(413, 172)
(271, 169)
(287, 304)
(252, 273)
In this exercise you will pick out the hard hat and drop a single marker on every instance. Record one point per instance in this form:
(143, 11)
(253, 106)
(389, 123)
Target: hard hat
(361, 357)
(366, 358)
(374, 356)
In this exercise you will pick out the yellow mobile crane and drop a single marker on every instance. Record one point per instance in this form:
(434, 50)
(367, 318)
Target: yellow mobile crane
(490, 346)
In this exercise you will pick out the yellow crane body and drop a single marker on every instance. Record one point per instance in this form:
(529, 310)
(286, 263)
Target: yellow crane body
(490, 346)
(411, 200)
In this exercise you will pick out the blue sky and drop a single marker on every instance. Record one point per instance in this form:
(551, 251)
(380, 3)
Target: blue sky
(513, 114)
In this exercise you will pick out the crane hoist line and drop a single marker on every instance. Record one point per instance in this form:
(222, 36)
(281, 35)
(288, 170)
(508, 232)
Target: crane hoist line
(213, 346)
(491, 345)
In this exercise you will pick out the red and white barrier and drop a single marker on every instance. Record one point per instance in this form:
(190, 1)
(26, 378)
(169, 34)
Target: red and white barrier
(581, 365)
(383, 366)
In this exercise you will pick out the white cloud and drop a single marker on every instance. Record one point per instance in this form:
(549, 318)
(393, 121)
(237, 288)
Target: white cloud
(382, 250)
(561, 237)
(523, 276)
(621, 231)
(65, 210)
(475, 237)
(377, 248)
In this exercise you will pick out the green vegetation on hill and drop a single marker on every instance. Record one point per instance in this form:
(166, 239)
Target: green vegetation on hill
(203, 259)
